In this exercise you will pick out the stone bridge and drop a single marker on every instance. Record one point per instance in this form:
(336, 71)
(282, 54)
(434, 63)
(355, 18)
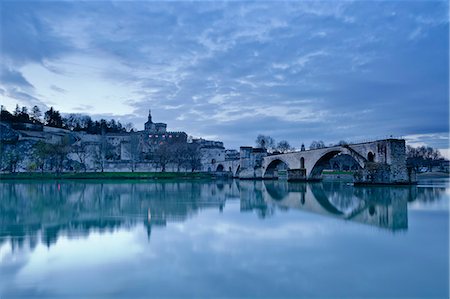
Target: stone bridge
(380, 162)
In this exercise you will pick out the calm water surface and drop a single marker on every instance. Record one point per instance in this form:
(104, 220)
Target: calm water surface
(231, 239)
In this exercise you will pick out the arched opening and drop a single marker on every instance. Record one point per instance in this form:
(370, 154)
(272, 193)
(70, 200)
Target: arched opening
(277, 190)
(371, 157)
(337, 199)
(219, 168)
(276, 169)
(302, 162)
(334, 162)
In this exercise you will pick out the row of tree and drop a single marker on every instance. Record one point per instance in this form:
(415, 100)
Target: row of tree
(73, 121)
(269, 143)
(422, 157)
(64, 156)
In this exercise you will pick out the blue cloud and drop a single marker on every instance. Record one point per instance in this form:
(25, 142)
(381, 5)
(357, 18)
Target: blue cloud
(297, 70)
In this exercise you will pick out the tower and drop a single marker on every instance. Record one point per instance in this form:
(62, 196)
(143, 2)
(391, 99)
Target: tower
(149, 124)
(149, 116)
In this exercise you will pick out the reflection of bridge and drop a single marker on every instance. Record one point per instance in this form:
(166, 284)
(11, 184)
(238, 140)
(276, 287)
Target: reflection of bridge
(385, 207)
(381, 161)
(52, 209)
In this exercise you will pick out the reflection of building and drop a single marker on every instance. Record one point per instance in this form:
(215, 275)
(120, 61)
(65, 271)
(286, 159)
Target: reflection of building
(76, 209)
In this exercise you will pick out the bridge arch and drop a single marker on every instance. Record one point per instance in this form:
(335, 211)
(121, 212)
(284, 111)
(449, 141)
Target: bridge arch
(324, 162)
(275, 168)
(370, 157)
(276, 190)
(219, 168)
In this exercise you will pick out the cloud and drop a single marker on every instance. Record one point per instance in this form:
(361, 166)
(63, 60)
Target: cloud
(58, 89)
(12, 77)
(298, 70)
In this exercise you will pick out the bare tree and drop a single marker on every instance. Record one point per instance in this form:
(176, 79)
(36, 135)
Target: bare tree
(129, 127)
(13, 160)
(100, 153)
(80, 151)
(163, 156)
(423, 156)
(179, 154)
(264, 141)
(135, 151)
(99, 158)
(283, 146)
(317, 144)
(193, 157)
(60, 152)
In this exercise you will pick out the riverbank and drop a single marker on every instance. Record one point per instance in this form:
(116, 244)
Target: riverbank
(105, 175)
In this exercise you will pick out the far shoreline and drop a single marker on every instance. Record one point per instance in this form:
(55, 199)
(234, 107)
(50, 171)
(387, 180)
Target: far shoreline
(432, 175)
(106, 175)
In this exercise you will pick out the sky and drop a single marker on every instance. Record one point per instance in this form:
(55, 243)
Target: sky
(296, 70)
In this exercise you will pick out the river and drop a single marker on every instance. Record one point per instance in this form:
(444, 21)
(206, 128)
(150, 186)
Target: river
(223, 239)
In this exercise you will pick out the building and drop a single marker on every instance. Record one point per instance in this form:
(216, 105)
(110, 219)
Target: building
(152, 149)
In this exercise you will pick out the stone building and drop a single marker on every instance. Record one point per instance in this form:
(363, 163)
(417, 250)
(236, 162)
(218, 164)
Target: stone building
(124, 151)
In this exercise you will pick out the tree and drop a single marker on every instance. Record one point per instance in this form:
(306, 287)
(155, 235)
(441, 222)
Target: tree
(42, 153)
(135, 151)
(193, 157)
(317, 144)
(163, 156)
(13, 160)
(5, 115)
(81, 152)
(129, 127)
(423, 156)
(283, 146)
(266, 142)
(60, 151)
(53, 118)
(17, 110)
(179, 154)
(36, 114)
(101, 153)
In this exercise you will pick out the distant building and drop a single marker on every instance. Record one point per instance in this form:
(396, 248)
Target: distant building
(125, 151)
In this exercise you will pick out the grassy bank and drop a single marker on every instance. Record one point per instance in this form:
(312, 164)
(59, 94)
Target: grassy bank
(106, 175)
(337, 172)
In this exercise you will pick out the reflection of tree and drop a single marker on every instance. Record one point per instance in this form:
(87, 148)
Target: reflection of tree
(252, 198)
(430, 194)
(72, 208)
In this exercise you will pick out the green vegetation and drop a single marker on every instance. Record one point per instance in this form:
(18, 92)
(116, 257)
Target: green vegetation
(107, 175)
(337, 172)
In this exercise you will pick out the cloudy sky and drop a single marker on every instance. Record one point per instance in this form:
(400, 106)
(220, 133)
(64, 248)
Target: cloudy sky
(299, 71)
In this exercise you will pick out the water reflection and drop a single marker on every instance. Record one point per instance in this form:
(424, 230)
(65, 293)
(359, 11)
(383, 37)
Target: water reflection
(74, 209)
